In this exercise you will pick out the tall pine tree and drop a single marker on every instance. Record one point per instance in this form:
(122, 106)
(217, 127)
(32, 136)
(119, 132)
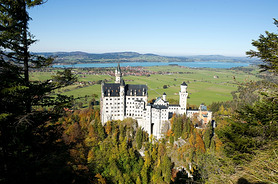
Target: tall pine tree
(28, 137)
(267, 51)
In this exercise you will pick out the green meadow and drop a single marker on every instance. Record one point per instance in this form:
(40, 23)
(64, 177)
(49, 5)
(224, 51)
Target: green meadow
(204, 85)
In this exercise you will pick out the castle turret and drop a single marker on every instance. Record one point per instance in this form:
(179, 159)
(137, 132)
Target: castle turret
(164, 96)
(183, 87)
(118, 74)
(122, 87)
(183, 96)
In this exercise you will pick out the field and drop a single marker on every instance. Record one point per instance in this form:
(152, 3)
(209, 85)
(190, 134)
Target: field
(204, 85)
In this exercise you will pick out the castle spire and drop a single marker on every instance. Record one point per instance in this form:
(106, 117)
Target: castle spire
(119, 68)
(118, 74)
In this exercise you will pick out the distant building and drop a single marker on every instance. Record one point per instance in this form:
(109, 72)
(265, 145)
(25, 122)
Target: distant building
(203, 115)
(120, 101)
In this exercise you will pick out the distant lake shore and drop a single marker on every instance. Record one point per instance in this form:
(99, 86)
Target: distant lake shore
(208, 64)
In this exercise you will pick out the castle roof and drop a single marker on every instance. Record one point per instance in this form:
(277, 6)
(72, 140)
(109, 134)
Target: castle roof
(160, 107)
(203, 107)
(112, 88)
(184, 84)
(130, 89)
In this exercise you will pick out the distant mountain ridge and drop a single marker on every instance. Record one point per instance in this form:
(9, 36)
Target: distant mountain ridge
(221, 58)
(83, 57)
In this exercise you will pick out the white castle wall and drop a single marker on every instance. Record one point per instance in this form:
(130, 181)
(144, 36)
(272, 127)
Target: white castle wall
(154, 119)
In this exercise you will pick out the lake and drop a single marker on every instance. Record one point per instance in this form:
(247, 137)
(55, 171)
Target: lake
(207, 64)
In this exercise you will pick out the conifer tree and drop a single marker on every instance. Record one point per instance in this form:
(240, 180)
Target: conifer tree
(15, 40)
(267, 50)
(22, 124)
(139, 137)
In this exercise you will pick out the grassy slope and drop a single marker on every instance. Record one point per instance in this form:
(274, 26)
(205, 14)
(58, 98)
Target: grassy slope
(202, 86)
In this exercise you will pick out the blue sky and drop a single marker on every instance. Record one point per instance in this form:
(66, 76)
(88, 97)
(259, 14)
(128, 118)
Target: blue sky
(165, 27)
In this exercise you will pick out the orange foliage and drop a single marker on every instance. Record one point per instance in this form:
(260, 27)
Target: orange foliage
(108, 127)
(174, 173)
(169, 133)
(90, 156)
(173, 119)
(196, 141)
(199, 143)
(192, 140)
(97, 118)
(100, 179)
(218, 144)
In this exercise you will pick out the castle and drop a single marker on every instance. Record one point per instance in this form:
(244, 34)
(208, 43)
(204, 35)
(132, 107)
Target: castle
(120, 101)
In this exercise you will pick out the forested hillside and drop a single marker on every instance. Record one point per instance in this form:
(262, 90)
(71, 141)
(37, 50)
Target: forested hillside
(116, 57)
(83, 150)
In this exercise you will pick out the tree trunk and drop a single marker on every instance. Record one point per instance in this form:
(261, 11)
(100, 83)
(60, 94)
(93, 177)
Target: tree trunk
(26, 56)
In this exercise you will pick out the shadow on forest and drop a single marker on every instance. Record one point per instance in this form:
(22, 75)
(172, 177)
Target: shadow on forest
(182, 178)
(245, 181)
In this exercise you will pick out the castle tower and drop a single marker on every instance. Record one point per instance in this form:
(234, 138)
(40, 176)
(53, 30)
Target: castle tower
(118, 74)
(183, 96)
(122, 102)
(164, 96)
(102, 105)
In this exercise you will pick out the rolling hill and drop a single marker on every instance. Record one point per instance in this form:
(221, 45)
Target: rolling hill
(83, 57)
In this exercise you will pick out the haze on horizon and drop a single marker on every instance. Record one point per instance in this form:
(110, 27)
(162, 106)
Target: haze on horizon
(165, 27)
